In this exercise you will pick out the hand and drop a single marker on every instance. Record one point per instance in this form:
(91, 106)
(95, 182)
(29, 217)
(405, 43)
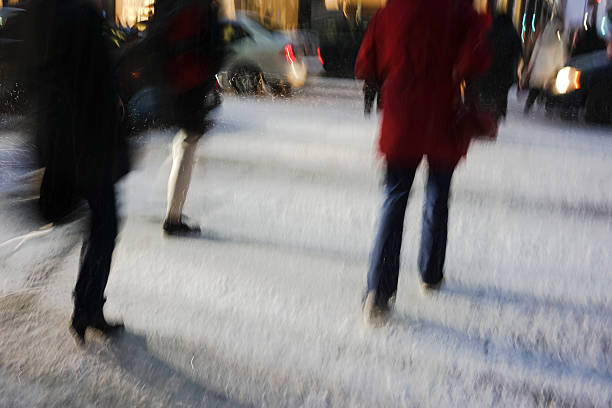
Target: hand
(369, 95)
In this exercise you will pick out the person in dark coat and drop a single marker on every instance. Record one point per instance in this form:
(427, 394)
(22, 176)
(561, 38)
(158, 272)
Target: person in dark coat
(505, 45)
(82, 144)
(416, 53)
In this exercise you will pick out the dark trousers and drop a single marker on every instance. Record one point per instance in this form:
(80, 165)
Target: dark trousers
(385, 259)
(97, 250)
(531, 98)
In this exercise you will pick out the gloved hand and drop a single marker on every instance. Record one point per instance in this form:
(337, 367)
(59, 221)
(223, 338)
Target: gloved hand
(369, 95)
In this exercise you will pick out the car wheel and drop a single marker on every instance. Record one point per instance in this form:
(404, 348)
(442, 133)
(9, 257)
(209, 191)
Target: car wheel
(569, 113)
(245, 80)
(281, 89)
(598, 106)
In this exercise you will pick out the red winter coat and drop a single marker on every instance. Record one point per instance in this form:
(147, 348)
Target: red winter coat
(417, 51)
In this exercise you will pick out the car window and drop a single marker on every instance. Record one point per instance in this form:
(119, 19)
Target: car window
(262, 27)
(233, 32)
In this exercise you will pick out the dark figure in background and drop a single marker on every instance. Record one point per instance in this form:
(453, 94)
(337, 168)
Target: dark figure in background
(586, 41)
(417, 53)
(81, 140)
(506, 50)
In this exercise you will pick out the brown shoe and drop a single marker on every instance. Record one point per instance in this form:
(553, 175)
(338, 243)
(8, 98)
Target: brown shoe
(428, 288)
(375, 315)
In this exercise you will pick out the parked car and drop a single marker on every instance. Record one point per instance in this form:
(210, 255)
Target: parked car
(12, 93)
(339, 42)
(18, 55)
(584, 84)
(258, 57)
(306, 46)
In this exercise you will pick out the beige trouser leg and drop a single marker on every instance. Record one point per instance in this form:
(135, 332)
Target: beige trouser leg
(183, 152)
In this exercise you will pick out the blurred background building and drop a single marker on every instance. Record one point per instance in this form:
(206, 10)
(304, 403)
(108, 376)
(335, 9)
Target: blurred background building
(351, 16)
(292, 14)
(129, 12)
(340, 24)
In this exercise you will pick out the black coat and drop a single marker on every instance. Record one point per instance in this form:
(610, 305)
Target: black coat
(78, 116)
(506, 49)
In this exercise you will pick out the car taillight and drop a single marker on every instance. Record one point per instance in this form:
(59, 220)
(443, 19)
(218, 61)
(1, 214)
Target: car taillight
(577, 79)
(289, 54)
(319, 55)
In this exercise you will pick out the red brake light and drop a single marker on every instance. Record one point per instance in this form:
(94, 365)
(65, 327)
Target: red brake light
(577, 79)
(289, 54)
(319, 55)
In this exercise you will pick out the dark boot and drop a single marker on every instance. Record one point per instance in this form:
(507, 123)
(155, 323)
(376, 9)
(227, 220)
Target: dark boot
(78, 325)
(81, 320)
(98, 322)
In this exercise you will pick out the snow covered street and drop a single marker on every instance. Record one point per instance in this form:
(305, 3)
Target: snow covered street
(264, 309)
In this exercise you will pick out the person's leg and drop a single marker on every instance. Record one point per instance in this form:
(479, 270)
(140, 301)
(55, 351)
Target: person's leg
(96, 256)
(435, 223)
(531, 98)
(183, 153)
(385, 259)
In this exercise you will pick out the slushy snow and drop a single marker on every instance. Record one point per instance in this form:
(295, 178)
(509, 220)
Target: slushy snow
(264, 309)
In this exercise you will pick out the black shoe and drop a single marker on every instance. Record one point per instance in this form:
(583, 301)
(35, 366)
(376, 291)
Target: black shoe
(78, 325)
(98, 322)
(81, 321)
(180, 228)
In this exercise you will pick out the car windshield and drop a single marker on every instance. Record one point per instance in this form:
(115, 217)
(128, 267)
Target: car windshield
(254, 25)
(261, 27)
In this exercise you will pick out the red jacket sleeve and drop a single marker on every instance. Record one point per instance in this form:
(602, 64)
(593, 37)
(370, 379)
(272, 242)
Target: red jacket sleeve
(365, 66)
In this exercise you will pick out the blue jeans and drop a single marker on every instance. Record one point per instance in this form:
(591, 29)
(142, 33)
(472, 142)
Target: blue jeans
(385, 259)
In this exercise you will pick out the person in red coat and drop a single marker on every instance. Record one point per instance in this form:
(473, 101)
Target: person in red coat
(416, 53)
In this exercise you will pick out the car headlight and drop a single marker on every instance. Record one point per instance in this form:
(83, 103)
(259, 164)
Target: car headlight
(568, 80)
